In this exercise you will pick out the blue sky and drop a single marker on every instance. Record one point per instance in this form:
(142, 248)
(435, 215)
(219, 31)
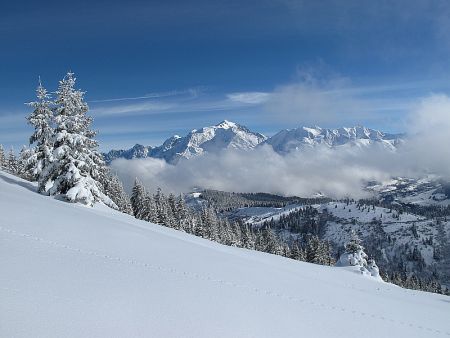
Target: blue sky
(156, 68)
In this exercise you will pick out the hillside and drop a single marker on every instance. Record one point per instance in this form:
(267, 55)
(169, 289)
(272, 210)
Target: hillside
(74, 271)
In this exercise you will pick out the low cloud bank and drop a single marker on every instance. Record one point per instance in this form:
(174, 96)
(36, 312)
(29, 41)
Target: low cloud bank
(335, 172)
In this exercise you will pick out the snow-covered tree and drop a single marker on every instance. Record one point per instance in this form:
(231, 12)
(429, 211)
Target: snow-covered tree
(181, 213)
(354, 255)
(248, 240)
(42, 120)
(138, 199)
(2, 157)
(297, 252)
(113, 188)
(77, 166)
(26, 164)
(271, 241)
(150, 213)
(11, 162)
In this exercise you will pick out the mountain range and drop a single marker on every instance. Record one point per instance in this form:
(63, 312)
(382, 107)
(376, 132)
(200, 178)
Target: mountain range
(230, 135)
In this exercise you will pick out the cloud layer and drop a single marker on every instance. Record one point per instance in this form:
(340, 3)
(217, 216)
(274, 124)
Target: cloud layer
(336, 172)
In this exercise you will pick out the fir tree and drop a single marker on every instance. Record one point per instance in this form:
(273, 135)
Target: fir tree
(113, 188)
(11, 162)
(2, 157)
(77, 166)
(354, 245)
(150, 213)
(297, 252)
(42, 120)
(26, 163)
(138, 199)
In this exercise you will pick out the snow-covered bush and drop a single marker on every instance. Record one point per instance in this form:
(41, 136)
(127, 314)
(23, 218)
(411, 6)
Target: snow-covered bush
(354, 255)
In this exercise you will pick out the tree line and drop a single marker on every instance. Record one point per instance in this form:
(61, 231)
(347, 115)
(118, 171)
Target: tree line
(172, 212)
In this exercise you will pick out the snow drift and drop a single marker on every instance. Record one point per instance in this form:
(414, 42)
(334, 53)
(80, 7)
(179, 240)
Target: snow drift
(72, 271)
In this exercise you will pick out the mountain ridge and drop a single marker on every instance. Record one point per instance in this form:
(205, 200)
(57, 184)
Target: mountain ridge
(230, 135)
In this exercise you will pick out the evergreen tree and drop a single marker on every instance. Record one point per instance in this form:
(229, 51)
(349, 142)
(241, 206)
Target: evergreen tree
(138, 199)
(113, 188)
(354, 255)
(150, 213)
(2, 157)
(11, 162)
(26, 163)
(248, 241)
(271, 242)
(42, 120)
(181, 213)
(159, 205)
(297, 252)
(77, 166)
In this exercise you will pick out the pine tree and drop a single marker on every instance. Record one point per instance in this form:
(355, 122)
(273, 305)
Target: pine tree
(248, 241)
(77, 167)
(11, 162)
(2, 157)
(113, 188)
(314, 253)
(42, 120)
(181, 213)
(297, 252)
(354, 245)
(138, 199)
(150, 213)
(354, 255)
(26, 163)
(271, 242)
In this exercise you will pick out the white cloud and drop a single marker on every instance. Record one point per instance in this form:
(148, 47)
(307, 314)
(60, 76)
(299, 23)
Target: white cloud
(132, 109)
(336, 173)
(332, 101)
(249, 97)
(192, 92)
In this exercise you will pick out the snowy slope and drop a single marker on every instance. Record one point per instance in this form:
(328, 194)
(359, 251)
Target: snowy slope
(425, 191)
(72, 271)
(259, 215)
(296, 139)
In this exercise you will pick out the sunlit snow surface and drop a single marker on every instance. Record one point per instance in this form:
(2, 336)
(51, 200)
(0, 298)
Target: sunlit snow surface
(73, 271)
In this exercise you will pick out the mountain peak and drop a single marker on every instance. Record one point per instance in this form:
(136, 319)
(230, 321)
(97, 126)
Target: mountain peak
(226, 124)
(228, 134)
(296, 139)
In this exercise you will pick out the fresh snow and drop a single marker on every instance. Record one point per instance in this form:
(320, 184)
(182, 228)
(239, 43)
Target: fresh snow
(213, 139)
(289, 140)
(68, 270)
(230, 135)
(259, 215)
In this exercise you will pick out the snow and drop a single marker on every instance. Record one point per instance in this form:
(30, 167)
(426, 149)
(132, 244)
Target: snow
(73, 271)
(259, 215)
(297, 139)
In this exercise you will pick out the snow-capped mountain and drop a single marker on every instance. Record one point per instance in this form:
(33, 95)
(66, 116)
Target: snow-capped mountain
(137, 151)
(225, 135)
(230, 135)
(296, 139)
